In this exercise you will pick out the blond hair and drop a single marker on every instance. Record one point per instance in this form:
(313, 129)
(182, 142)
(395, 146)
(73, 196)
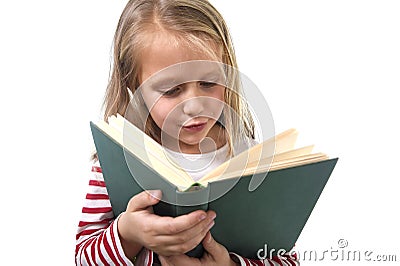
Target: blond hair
(193, 22)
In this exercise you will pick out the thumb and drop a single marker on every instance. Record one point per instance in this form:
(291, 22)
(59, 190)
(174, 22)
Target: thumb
(163, 260)
(210, 245)
(144, 200)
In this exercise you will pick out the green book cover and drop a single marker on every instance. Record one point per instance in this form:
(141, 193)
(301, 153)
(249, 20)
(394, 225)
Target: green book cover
(273, 215)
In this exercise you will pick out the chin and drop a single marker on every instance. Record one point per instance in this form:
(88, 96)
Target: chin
(191, 142)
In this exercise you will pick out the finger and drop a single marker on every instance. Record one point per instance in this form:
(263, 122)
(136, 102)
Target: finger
(178, 260)
(164, 261)
(197, 221)
(212, 246)
(175, 246)
(144, 200)
(184, 241)
(167, 261)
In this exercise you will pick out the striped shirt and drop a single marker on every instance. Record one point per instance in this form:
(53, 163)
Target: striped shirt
(98, 243)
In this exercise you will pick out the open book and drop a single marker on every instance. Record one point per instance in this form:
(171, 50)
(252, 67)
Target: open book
(273, 214)
(273, 154)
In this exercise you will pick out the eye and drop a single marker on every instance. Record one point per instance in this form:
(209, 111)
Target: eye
(205, 84)
(172, 92)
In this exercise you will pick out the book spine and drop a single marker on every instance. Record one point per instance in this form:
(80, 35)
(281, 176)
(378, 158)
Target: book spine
(195, 198)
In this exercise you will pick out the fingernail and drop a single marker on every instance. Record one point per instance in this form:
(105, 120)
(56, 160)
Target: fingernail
(208, 239)
(156, 194)
(202, 217)
(213, 216)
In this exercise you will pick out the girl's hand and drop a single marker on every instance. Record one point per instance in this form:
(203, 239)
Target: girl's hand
(215, 255)
(139, 227)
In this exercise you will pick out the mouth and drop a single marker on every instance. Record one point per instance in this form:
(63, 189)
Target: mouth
(195, 126)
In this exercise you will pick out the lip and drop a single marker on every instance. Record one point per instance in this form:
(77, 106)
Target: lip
(195, 127)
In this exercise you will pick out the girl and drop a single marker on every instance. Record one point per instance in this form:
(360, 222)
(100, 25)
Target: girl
(153, 35)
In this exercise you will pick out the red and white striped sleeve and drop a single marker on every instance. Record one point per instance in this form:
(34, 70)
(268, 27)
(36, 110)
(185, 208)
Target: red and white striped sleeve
(97, 240)
(286, 259)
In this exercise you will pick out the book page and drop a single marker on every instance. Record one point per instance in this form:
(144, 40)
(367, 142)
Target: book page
(128, 136)
(290, 162)
(263, 151)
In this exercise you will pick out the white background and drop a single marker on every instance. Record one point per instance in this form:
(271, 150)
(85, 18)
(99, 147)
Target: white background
(329, 68)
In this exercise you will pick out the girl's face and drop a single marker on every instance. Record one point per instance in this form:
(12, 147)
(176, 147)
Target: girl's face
(184, 100)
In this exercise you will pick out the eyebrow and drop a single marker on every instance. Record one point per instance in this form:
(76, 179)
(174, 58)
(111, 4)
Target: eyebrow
(163, 83)
(169, 82)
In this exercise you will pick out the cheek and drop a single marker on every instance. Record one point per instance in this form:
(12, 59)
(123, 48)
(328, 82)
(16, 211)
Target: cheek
(217, 106)
(219, 93)
(158, 115)
(156, 106)
(162, 111)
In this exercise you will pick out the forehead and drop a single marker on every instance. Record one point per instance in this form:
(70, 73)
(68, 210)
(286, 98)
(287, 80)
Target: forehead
(165, 50)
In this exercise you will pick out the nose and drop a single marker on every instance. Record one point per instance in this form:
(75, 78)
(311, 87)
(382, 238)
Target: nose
(192, 105)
